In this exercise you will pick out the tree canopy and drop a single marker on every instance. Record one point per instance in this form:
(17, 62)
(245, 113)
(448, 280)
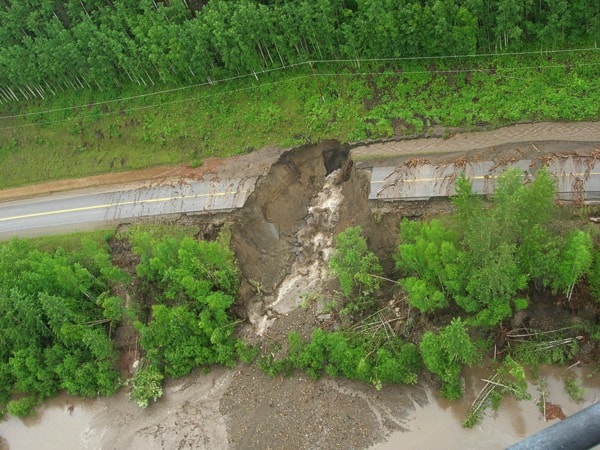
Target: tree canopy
(56, 316)
(50, 46)
(484, 256)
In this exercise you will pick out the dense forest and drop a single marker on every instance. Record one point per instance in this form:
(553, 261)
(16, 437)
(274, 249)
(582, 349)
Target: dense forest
(50, 46)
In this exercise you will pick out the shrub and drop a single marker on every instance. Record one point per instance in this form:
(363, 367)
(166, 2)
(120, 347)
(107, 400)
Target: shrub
(146, 386)
(445, 353)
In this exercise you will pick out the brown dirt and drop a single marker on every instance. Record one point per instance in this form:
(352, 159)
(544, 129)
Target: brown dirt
(552, 411)
(299, 412)
(245, 407)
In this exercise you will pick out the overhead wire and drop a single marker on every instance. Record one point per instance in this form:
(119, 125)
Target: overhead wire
(255, 74)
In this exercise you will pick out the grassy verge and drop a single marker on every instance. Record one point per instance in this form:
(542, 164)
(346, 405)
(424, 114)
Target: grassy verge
(69, 242)
(73, 241)
(347, 102)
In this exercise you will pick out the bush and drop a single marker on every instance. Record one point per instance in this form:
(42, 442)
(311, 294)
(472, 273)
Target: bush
(445, 353)
(364, 358)
(357, 269)
(146, 386)
(22, 407)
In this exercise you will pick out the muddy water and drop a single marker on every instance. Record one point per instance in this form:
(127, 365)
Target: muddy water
(438, 424)
(63, 422)
(117, 423)
(187, 417)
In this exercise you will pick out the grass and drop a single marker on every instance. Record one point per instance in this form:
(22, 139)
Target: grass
(376, 100)
(69, 242)
(160, 230)
(73, 241)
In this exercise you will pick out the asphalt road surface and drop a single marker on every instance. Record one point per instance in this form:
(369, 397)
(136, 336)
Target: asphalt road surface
(78, 210)
(577, 179)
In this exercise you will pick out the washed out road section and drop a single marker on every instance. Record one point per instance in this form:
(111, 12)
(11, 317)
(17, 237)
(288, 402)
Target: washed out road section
(577, 179)
(85, 208)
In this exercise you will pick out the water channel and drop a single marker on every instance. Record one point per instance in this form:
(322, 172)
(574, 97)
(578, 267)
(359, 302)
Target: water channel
(71, 423)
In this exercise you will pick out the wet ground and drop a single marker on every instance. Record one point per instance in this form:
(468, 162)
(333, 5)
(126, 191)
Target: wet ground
(282, 239)
(189, 417)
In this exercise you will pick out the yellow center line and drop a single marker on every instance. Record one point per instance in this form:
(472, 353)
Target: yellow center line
(477, 177)
(109, 205)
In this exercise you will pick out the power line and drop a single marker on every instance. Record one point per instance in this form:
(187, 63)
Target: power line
(155, 105)
(255, 74)
(452, 71)
(473, 55)
(289, 80)
(152, 94)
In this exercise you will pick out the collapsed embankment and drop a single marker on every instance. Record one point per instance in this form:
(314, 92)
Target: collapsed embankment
(282, 238)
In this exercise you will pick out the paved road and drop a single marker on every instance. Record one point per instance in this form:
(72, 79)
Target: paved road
(462, 142)
(82, 209)
(577, 179)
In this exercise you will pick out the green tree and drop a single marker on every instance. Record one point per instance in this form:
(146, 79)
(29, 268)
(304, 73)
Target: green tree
(575, 261)
(55, 334)
(446, 352)
(367, 358)
(194, 283)
(427, 250)
(594, 276)
(146, 385)
(356, 267)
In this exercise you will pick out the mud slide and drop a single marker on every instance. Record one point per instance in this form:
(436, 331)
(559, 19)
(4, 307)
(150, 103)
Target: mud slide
(283, 239)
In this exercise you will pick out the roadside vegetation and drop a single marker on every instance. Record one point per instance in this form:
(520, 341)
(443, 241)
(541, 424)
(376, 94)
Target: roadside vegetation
(57, 318)
(110, 86)
(60, 312)
(458, 283)
(96, 87)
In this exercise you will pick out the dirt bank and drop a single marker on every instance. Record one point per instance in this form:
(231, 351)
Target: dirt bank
(282, 239)
(299, 201)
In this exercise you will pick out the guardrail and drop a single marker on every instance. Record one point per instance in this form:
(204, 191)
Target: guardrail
(581, 431)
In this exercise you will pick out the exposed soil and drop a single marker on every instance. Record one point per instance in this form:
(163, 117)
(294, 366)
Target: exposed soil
(269, 240)
(282, 239)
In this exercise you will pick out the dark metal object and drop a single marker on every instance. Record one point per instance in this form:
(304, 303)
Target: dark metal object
(580, 431)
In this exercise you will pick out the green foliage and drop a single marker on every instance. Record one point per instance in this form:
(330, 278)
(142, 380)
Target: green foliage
(446, 352)
(185, 268)
(112, 44)
(348, 355)
(356, 267)
(53, 313)
(574, 388)
(245, 352)
(422, 296)
(546, 348)
(146, 385)
(575, 261)
(182, 126)
(594, 276)
(428, 251)
(22, 407)
(484, 257)
(195, 283)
